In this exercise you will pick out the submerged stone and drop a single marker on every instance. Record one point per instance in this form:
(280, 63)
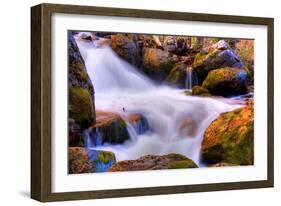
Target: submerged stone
(101, 160)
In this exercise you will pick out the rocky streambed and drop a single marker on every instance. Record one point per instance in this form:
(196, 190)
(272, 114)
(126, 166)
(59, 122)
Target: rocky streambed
(142, 102)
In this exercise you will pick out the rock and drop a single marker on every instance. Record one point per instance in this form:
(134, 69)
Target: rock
(157, 63)
(78, 79)
(78, 161)
(86, 37)
(77, 74)
(175, 44)
(80, 106)
(226, 81)
(223, 164)
(101, 160)
(125, 46)
(230, 138)
(82, 160)
(149, 41)
(177, 75)
(109, 128)
(154, 162)
(200, 91)
(75, 134)
(217, 56)
(245, 49)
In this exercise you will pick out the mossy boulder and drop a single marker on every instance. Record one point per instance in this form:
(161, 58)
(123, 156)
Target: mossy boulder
(157, 63)
(78, 80)
(77, 73)
(80, 106)
(101, 160)
(125, 45)
(81, 160)
(200, 91)
(78, 161)
(216, 56)
(182, 164)
(226, 81)
(154, 162)
(230, 138)
(109, 128)
(177, 75)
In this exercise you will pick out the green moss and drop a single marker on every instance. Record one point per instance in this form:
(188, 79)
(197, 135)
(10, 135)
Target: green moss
(114, 132)
(199, 58)
(213, 154)
(182, 164)
(235, 139)
(226, 81)
(199, 90)
(187, 93)
(242, 152)
(177, 76)
(80, 106)
(195, 43)
(177, 156)
(106, 157)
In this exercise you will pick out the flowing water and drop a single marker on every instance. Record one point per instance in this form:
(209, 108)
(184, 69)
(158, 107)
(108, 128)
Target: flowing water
(176, 122)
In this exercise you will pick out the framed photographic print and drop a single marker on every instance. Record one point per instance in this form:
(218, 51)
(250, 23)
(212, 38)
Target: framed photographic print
(132, 102)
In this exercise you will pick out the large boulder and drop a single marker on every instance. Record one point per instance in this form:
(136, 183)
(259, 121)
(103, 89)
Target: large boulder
(109, 128)
(230, 138)
(78, 161)
(81, 93)
(125, 45)
(77, 73)
(80, 106)
(226, 81)
(81, 160)
(157, 63)
(216, 56)
(154, 162)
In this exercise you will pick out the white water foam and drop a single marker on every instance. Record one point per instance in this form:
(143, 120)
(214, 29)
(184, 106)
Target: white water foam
(177, 122)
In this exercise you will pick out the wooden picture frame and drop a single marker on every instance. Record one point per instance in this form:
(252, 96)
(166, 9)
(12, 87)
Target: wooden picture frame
(41, 116)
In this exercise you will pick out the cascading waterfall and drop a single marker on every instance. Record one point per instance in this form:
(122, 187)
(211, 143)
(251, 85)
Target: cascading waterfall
(191, 78)
(176, 121)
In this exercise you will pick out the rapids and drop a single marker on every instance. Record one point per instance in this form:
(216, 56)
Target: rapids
(176, 122)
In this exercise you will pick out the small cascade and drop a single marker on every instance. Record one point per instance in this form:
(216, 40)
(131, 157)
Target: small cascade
(141, 126)
(172, 122)
(87, 138)
(92, 138)
(189, 77)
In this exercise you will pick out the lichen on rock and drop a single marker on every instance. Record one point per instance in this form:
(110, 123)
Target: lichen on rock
(154, 162)
(80, 106)
(230, 138)
(78, 161)
(226, 81)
